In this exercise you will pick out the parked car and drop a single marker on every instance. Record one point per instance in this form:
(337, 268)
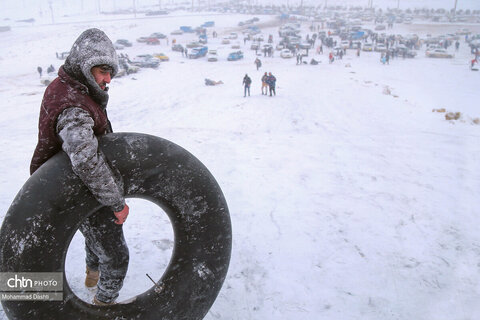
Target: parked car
(304, 45)
(158, 35)
(280, 47)
(161, 56)
(233, 35)
(438, 53)
(236, 45)
(401, 50)
(367, 47)
(285, 53)
(197, 52)
(345, 44)
(176, 32)
(200, 30)
(225, 41)
(234, 56)
(126, 67)
(124, 42)
(187, 29)
(208, 24)
(380, 47)
(212, 55)
(177, 47)
(142, 39)
(145, 61)
(254, 46)
(193, 44)
(152, 41)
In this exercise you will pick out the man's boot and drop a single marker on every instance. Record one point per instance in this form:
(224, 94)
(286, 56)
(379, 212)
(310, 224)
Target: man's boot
(101, 303)
(92, 278)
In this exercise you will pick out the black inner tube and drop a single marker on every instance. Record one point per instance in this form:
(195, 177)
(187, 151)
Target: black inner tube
(46, 213)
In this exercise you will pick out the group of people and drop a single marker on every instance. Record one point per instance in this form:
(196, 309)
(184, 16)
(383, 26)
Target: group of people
(50, 69)
(268, 84)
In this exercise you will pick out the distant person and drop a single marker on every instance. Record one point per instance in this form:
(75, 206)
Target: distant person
(39, 69)
(472, 64)
(383, 59)
(51, 69)
(246, 83)
(271, 81)
(209, 82)
(330, 57)
(264, 83)
(258, 63)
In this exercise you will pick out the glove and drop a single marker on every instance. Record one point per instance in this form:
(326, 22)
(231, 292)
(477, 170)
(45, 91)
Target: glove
(122, 215)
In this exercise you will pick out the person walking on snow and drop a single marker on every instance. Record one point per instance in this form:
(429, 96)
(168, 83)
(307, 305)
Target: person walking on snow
(264, 83)
(72, 117)
(39, 69)
(258, 63)
(330, 57)
(271, 81)
(50, 69)
(246, 83)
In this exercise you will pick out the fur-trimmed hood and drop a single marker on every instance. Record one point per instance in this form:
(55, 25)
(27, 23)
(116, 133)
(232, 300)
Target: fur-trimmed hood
(92, 48)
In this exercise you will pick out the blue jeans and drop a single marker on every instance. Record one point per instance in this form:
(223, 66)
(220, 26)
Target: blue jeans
(106, 251)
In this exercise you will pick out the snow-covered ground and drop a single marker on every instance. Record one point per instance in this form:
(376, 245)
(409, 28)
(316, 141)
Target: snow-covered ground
(349, 197)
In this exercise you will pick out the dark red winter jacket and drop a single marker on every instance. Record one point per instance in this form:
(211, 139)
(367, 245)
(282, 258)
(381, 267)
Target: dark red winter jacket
(64, 92)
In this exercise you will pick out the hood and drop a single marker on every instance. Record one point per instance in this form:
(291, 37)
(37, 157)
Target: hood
(91, 48)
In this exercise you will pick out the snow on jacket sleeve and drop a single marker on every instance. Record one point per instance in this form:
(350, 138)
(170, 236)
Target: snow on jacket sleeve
(74, 127)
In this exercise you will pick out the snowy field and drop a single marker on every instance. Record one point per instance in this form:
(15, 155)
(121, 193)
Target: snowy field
(349, 197)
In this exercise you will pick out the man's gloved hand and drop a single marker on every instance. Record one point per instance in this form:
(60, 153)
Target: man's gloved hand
(122, 215)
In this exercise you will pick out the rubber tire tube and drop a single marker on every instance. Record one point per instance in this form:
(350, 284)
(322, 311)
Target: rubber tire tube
(48, 210)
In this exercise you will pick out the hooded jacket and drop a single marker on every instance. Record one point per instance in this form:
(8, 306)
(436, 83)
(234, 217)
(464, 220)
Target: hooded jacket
(73, 114)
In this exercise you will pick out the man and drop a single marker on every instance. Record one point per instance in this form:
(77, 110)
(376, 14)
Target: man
(51, 69)
(246, 82)
(72, 116)
(271, 80)
(258, 63)
(264, 83)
